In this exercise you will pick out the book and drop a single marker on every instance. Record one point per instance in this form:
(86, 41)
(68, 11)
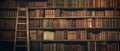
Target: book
(72, 35)
(48, 35)
(33, 34)
(40, 4)
(39, 35)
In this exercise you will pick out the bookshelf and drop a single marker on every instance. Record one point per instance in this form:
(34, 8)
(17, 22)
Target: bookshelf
(64, 25)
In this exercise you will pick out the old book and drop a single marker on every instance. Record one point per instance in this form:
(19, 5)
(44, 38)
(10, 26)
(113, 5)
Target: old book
(98, 3)
(39, 35)
(65, 3)
(47, 23)
(50, 3)
(40, 4)
(72, 35)
(33, 34)
(111, 3)
(62, 23)
(81, 13)
(81, 35)
(79, 23)
(89, 23)
(32, 24)
(85, 23)
(90, 3)
(37, 13)
(49, 13)
(85, 3)
(65, 35)
(57, 13)
(48, 35)
(59, 4)
(32, 13)
(94, 1)
(31, 3)
(99, 13)
(108, 13)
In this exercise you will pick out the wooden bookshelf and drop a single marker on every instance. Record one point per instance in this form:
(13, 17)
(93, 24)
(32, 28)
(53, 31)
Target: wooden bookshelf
(64, 25)
(72, 17)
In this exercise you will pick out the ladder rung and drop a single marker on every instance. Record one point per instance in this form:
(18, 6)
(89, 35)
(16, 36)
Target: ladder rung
(21, 37)
(21, 45)
(21, 30)
(21, 23)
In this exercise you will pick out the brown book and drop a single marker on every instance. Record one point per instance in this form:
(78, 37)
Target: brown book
(85, 23)
(37, 13)
(32, 24)
(72, 35)
(62, 23)
(94, 1)
(99, 13)
(89, 23)
(93, 23)
(98, 3)
(111, 3)
(104, 3)
(39, 35)
(81, 13)
(40, 4)
(97, 23)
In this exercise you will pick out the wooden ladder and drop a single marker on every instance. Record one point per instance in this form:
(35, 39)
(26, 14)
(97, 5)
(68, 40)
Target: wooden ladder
(21, 41)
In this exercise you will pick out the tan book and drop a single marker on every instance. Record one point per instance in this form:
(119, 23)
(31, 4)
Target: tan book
(48, 35)
(89, 22)
(37, 13)
(62, 23)
(94, 1)
(33, 34)
(72, 35)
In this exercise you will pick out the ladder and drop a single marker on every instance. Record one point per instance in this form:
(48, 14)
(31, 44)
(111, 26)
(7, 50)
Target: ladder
(21, 40)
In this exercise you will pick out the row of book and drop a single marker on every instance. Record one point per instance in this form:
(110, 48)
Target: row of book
(80, 13)
(64, 47)
(90, 46)
(7, 24)
(103, 46)
(83, 3)
(75, 23)
(104, 35)
(8, 3)
(64, 3)
(8, 12)
(81, 46)
(63, 35)
(6, 35)
(74, 35)
(63, 23)
(51, 13)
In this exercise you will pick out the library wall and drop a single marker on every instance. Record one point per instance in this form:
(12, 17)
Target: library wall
(64, 25)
